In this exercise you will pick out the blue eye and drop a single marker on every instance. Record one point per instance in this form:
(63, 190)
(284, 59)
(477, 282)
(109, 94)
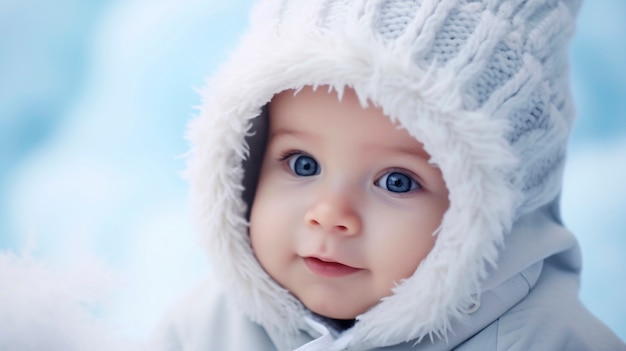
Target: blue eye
(397, 182)
(304, 166)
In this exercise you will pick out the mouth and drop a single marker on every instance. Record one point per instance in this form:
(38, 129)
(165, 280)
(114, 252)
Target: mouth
(328, 268)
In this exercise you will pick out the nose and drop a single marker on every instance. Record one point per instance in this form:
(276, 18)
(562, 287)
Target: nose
(334, 213)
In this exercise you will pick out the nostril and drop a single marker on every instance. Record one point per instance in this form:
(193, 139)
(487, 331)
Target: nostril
(337, 228)
(332, 219)
(314, 222)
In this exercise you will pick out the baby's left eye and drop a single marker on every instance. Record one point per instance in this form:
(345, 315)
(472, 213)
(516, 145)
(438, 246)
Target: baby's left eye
(397, 182)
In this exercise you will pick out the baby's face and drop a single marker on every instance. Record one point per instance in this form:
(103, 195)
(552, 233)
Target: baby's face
(346, 204)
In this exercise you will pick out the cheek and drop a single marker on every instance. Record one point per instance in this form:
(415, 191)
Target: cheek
(263, 240)
(262, 226)
(400, 259)
(403, 240)
(270, 223)
(279, 205)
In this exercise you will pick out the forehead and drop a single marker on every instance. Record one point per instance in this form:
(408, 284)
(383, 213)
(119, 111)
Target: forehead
(320, 114)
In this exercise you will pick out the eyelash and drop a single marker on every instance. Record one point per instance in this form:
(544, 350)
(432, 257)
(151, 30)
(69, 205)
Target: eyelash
(285, 156)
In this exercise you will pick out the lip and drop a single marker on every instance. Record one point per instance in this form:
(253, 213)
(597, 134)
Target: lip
(330, 269)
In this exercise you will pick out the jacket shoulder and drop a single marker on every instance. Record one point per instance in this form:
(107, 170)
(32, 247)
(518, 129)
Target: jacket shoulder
(544, 329)
(550, 317)
(554, 322)
(547, 328)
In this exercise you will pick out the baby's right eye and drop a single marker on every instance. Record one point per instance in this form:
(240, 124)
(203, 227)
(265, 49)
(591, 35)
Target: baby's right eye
(303, 165)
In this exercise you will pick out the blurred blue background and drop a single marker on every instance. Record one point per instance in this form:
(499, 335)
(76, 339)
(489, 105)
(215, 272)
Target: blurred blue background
(94, 97)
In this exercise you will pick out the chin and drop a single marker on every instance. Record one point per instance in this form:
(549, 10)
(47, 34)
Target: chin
(335, 310)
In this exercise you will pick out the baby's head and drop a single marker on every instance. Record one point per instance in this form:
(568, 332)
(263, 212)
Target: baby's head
(347, 202)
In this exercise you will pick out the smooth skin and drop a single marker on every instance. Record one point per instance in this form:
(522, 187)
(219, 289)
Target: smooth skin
(347, 202)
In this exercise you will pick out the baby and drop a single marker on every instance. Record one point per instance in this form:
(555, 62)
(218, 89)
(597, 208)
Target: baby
(385, 175)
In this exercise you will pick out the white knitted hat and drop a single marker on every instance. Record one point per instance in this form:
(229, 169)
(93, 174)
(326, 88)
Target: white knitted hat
(482, 84)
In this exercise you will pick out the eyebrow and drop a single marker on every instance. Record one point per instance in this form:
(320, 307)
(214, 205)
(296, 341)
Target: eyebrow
(411, 151)
(287, 131)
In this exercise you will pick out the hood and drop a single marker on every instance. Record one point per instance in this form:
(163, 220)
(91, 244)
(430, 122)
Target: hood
(482, 84)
